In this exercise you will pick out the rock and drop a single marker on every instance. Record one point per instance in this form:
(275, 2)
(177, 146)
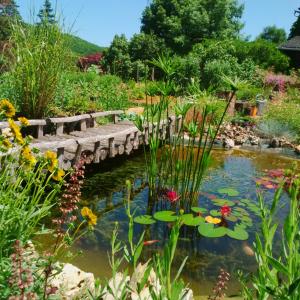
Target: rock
(240, 140)
(274, 143)
(297, 149)
(72, 283)
(228, 143)
(254, 140)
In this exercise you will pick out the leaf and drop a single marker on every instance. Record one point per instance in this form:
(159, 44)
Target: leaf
(190, 220)
(278, 265)
(144, 220)
(238, 233)
(228, 191)
(231, 218)
(221, 202)
(201, 210)
(165, 216)
(293, 286)
(246, 219)
(215, 213)
(208, 230)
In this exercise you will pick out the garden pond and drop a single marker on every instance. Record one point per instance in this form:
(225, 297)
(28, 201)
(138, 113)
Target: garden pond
(233, 178)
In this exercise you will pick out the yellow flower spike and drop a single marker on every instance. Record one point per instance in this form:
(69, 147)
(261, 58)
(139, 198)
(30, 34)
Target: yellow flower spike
(15, 130)
(211, 220)
(24, 121)
(89, 215)
(7, 108)
(52, 160)
(27, 157)
(6, 143)
(58, 175)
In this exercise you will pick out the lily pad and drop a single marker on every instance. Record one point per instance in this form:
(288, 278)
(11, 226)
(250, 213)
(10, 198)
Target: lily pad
(190, 220)
(201, 210)
(228, 191)
(238, 233)
(165, 216)
(215, 213)
(208, 230)
(232, 218)
(246, 219)
(144, 220)
(221, 202)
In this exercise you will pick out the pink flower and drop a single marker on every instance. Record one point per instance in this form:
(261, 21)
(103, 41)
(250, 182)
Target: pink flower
(172, 196)
(225, 210)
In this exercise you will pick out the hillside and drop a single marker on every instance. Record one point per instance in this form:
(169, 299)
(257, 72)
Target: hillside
(82, 47)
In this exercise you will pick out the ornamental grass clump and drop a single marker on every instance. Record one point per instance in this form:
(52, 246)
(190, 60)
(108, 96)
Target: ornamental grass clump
(40, 56)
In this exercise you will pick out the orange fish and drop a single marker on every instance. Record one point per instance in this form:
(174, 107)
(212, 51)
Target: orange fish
(147, 243)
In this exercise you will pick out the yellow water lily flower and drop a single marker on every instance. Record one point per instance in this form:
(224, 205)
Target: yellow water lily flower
(212, 220)
(58, 175)
(15, 129)
(52, 160)
(7, 108)
(24, 121)
(27, 157)
(89, 215)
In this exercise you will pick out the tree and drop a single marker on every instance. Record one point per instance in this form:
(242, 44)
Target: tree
(9, 8)
(295, 30)
(273, 34)
(145, 47)
(117, 59)
(46, 13)
(183, 23)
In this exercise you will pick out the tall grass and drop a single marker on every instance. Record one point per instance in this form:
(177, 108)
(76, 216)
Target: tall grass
(40, 56)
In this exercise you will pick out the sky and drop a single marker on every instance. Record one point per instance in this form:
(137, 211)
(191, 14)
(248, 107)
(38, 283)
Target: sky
(99, 20)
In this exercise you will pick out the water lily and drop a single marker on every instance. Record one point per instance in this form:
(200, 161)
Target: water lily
(225, 210)
(172, 196)
(212, 220)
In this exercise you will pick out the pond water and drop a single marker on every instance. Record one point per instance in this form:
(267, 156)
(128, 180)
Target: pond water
(104, 191)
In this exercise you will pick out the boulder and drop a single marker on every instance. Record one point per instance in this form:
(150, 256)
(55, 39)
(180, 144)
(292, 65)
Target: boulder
(72, 283)
(297, 149)
(228, 143)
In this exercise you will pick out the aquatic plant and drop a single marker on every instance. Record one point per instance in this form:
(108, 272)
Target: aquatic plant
(278, 274)
(179, 151)
(221, 286)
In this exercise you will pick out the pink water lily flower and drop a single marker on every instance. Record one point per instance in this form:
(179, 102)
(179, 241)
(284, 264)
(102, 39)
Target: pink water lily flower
(172, 196)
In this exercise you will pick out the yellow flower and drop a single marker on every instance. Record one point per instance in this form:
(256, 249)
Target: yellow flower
(210, 219)
(24, 121)
(15, 129)
(89, 215)
(7, 108)
(27, 157)
(52, 160)
(6, 143)
(58, 175)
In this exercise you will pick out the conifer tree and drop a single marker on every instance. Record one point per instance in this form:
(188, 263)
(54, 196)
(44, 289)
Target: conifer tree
(295, 30)
(46, 13)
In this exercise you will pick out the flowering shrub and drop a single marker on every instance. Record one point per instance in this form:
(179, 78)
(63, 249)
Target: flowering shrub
(87, 61)
(278, 82)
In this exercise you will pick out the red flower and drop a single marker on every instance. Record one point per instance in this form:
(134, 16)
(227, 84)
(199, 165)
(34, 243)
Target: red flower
(172, 196)
(225, 210)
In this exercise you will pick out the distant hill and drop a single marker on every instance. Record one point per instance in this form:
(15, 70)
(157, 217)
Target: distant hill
(82, 47)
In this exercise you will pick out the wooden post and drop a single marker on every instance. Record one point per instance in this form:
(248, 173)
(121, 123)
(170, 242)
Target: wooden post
(78, 153)
(59, 128)
(96, 152)
(136, 140)
(82, 125)
(128, 145)
(115, 118)
(40, 131)
(60, 156)
(111, 147)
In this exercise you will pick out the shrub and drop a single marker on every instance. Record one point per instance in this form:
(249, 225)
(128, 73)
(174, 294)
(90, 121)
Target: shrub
(40, 55)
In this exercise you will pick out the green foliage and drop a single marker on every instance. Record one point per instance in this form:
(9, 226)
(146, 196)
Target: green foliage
(83, 92)
(295, 29)
(184, 23)
(40, 56)
(81, 47)
(273, 34)
(116, 59)
(278, 275)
